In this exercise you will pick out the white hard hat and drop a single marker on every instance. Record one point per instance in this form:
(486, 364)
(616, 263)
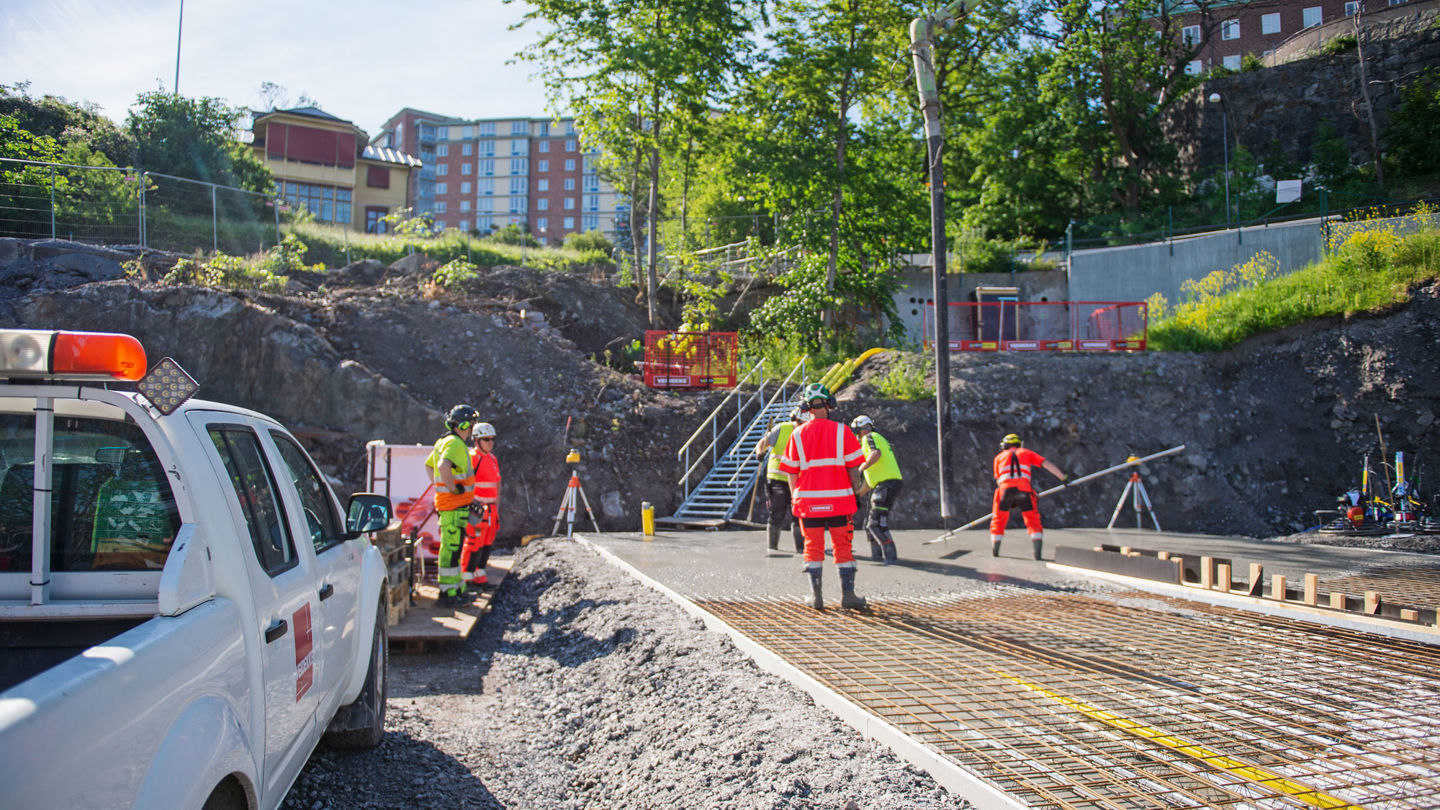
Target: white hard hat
(484, 430)
(862, 422)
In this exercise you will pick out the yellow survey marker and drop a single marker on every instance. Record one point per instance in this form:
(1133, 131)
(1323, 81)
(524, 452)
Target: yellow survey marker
(1244, 770)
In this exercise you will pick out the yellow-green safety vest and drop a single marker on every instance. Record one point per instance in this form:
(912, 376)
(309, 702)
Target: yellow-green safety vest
(772, 466)
(887, 468)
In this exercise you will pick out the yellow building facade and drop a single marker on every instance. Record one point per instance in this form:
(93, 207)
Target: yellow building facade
(327, 165)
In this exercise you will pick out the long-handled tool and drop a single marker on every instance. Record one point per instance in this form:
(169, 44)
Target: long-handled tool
(1130, 462)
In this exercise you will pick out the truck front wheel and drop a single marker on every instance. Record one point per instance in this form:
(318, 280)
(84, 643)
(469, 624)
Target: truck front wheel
(362, 723)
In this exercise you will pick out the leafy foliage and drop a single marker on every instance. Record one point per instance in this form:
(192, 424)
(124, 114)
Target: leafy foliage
(195, 139)
(797, 314)
(454, 275)
(1414, 125)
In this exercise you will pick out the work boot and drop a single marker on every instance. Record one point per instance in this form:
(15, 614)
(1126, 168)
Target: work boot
(799, 538)
(774, 532)
(817, 595)
(1037, 542)
(876, 554)
(888, 547)
(848, 599)
(995, 545)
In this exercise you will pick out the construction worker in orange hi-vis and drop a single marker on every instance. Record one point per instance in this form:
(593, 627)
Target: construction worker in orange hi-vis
(480, 536)
(1015, 490)
(822, 461)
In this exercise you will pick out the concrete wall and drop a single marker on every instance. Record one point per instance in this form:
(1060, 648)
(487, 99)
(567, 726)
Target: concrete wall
(1136, 272)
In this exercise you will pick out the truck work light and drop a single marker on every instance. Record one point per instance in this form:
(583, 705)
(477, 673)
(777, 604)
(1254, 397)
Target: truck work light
(70, 355)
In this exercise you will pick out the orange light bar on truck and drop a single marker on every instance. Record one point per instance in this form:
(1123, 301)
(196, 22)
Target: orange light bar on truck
(70, 355)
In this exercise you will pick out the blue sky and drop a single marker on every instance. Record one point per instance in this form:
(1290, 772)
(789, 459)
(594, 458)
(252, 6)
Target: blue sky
(339, 52)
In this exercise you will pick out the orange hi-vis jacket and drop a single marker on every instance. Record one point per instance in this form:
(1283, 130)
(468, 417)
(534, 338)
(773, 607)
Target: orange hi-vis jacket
(1013, 468)
(821, 453)
(487, 476)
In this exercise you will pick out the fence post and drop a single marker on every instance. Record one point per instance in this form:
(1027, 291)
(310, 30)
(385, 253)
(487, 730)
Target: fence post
(144, 226)
(277, 221)
(214, 223)
(52, 202)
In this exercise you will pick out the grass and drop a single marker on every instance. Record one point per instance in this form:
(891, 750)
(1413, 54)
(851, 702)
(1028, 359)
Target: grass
(331, 246)
(1370, 267)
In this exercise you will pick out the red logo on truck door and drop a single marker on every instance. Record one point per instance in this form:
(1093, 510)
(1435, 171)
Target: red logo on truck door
(304, 659)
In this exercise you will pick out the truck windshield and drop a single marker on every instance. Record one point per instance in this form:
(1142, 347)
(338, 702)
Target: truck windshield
(111, 507)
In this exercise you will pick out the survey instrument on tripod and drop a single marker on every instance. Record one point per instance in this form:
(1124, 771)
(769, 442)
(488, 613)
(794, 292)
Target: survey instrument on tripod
(568, 503)
(1130, 462)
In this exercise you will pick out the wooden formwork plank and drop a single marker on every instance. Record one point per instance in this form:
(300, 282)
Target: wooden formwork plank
(427, 624)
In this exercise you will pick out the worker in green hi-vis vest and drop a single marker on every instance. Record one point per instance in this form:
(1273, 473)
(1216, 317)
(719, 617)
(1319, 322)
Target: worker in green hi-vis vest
(777, 484)
(882, 481)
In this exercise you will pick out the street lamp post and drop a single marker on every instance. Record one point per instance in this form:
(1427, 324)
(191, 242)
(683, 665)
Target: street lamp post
(179, 32)
(1225, 145)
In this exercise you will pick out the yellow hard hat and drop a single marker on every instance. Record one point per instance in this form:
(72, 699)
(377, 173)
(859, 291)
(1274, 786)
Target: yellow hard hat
(1011, 440)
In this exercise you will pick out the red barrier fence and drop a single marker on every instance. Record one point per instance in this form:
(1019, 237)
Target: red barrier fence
(690, 360)
(1103, 326)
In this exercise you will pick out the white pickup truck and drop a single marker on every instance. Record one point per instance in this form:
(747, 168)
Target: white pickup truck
(184, 607)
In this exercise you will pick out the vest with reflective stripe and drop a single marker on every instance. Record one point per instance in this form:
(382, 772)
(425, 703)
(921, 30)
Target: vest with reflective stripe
(451, 448)
(887, 468)
(821, 453)
(1013, 466)
(487, 476)
(782, 438)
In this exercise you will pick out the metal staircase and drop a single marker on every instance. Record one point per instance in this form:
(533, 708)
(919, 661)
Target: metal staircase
(731, 474)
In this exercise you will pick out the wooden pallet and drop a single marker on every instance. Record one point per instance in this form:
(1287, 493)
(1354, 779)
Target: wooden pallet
(426, 625)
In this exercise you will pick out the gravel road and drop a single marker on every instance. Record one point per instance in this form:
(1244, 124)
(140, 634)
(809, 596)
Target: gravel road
(585, 689)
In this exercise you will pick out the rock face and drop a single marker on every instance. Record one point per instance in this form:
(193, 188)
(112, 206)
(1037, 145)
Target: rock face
(1274, 429)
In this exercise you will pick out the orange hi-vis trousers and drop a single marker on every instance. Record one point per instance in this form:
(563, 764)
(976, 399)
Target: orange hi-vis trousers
(477, 536)
(842, 532)
(1007, 498)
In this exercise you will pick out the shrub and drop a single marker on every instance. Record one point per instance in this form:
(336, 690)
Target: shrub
(454, 275)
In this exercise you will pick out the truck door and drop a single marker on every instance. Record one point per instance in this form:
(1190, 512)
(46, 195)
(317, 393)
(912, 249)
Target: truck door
(337, 569)
(282, 585)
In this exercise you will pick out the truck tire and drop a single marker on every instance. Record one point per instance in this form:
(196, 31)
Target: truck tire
(362, 723)
(228, 795)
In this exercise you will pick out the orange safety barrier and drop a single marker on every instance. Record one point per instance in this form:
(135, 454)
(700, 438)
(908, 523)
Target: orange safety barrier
(1104, 326)
(690, 360)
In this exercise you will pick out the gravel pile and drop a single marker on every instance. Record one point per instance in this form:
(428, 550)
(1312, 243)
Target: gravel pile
(585, 689)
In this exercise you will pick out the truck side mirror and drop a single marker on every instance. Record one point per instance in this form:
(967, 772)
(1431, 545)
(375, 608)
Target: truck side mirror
(367, 512)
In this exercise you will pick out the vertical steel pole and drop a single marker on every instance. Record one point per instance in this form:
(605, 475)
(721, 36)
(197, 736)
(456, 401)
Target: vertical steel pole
(214, 223)
(52, 202)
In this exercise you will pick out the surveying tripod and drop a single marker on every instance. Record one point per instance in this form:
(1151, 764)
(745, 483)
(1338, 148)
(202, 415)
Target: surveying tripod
(566, 512)
(1140, 500)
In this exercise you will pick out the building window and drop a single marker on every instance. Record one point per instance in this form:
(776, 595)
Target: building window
(1230, 29)
(465, 167)
(519, 165)
(487, 148)
(442, 133)
(519, 127)
(1190, 36)
(587, 165)
(569, 203)
(519, 146)
(570, 127)
(592, 183)
(542, 204)
(592, 202)
(442, 169)
(1312, 17)
(487, 128)
(542, 185)
(590, 222)
(464, 206)
(1270, 23)
(377, 177)
(485, 204)
(464, 224)
(1193, 67)
(464, 188)
(484, 223)
(467, 148)
(442, 150)
(542, 224)
(569, 184)
(439, 224)
(517, 205)
(485, 186)
(485, 167)
(439, 206)
(571, 145)
(544, 146)
(569, 223)
(1232, 62)
(569, 165)
(327, 203)
(375, 219)
(1351, 9)
(542, 166)
(442, 188)
(517, 185)
(466, 133)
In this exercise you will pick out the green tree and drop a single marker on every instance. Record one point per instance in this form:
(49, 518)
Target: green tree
(1413, 126)
(195, 139)
(66, 122)
(640, 75)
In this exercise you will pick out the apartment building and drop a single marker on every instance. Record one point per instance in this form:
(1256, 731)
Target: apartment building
(1228, 31)
(327, 165)
(484, 174)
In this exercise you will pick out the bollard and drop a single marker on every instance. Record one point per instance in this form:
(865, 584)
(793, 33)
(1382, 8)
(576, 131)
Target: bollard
(647, 519)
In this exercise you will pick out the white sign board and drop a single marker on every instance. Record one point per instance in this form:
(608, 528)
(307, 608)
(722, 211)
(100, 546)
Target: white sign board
(1287, 191)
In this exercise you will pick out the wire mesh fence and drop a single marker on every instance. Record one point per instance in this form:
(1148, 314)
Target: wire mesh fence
(121, 206)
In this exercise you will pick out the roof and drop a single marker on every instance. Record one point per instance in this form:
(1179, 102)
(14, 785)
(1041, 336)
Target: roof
(313, 112)
(384, 154)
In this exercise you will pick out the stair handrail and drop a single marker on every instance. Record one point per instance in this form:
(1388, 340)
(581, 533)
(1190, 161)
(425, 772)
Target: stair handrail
(716, 431)
(781, 395)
